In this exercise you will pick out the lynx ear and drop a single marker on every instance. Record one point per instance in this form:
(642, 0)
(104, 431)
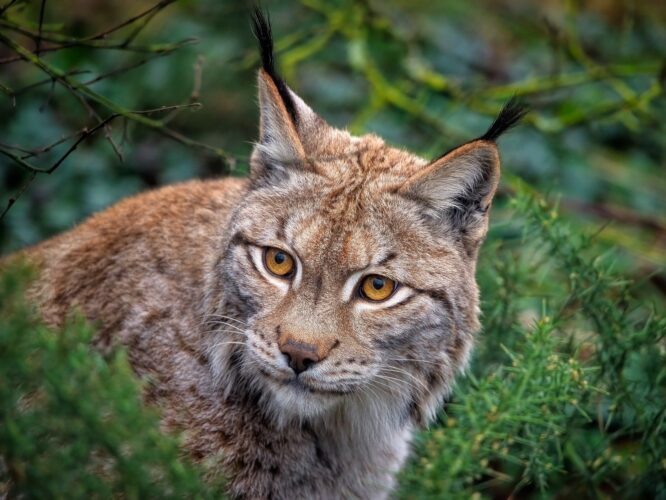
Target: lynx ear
(286, 122)
(459, 186)
(278, 134)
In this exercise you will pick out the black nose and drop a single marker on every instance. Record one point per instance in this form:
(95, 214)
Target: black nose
(300, 356)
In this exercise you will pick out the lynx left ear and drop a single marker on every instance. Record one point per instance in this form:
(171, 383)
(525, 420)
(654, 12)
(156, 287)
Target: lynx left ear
(278, 134)
(459, 186)
(286, 121)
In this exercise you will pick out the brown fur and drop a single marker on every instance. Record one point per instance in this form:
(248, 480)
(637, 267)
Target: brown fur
(176, 276)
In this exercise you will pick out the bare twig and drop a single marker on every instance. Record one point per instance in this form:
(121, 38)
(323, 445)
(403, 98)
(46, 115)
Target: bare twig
(149, 12)
(85, 133)
(146, 18)
(43, 106)
(9, 93)
(82, 134)
(38, 42)
(29, 153)
(66, 42)
(48, 80)
(48, 41)
(16, 196)
(162, 49)
(7, 6)
(83, 91)
(196, 89)
(124, 69)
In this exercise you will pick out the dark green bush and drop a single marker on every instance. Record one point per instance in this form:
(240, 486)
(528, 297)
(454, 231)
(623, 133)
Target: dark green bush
(569, 401)
(71, 422)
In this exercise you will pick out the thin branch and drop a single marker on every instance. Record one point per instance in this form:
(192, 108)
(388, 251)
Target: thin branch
(83, 134)
(48, 80)
(57, 36)
(9, 93)
(196, 89)
(82, 90)
(617, 213)
(144, 22)
(7, 6)
(124, 69)
(66, 42)
(46, 40)
(5, 149)
(163, 49)
(29, 153)
(149, 12)
(38, 42)
(15, 148)
(14, 199)
(73, 85)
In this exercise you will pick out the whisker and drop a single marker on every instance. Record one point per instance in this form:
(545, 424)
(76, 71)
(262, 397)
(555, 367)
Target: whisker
(381, 383)
(222, 344)
(224, 326)
(410, 383)
(392, 379)
(227, 318)
(395, 369)
(415, 360)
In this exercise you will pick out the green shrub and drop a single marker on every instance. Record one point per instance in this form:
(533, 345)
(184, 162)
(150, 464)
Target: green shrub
(565, 400)
(71, 422)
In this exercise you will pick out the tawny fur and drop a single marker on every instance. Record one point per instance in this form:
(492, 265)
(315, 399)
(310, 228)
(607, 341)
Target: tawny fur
(175, 275)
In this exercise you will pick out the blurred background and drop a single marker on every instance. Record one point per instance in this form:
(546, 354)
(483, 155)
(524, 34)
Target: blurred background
(424, 75)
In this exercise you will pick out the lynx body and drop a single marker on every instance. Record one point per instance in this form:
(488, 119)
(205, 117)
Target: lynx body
(306, 383)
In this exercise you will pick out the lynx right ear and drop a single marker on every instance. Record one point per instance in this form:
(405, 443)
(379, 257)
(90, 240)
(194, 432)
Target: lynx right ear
(459, 186)
(286, 122)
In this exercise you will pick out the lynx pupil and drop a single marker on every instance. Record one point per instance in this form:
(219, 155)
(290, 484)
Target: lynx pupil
(378, 283)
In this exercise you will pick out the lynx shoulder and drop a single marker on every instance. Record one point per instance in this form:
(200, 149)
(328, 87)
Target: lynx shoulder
(300, 324)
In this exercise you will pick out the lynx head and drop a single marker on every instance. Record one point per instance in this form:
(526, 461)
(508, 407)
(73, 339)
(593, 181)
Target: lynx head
(350, 264)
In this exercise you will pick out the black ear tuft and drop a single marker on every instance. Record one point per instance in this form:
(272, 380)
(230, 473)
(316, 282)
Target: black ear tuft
(261, 27)
(512, 112)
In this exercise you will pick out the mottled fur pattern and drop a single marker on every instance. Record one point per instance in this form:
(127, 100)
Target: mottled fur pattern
(176, 275)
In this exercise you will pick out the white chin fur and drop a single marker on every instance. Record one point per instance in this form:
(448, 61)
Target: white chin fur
(298, 402)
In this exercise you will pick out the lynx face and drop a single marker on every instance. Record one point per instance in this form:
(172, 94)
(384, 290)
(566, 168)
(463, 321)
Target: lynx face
(351, 264)
(370, 300)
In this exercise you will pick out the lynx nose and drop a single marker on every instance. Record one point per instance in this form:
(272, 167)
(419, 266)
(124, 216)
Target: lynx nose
(300, 355)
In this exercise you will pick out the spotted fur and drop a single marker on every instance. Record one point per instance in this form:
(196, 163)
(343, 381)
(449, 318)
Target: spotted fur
(176, 276)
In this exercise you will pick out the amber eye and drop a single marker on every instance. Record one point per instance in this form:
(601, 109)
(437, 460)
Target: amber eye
(278, 262)
(377, 288)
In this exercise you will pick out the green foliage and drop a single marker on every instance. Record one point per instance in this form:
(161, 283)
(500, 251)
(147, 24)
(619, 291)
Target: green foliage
(71, 422)
(570, 399)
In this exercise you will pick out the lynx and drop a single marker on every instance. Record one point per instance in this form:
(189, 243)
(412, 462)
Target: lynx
(297, 326)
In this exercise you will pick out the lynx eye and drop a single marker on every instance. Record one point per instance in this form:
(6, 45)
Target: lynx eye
(278, 262)
(377, 288)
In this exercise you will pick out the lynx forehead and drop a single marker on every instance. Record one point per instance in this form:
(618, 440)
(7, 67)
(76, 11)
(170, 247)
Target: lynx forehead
(296, 326)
